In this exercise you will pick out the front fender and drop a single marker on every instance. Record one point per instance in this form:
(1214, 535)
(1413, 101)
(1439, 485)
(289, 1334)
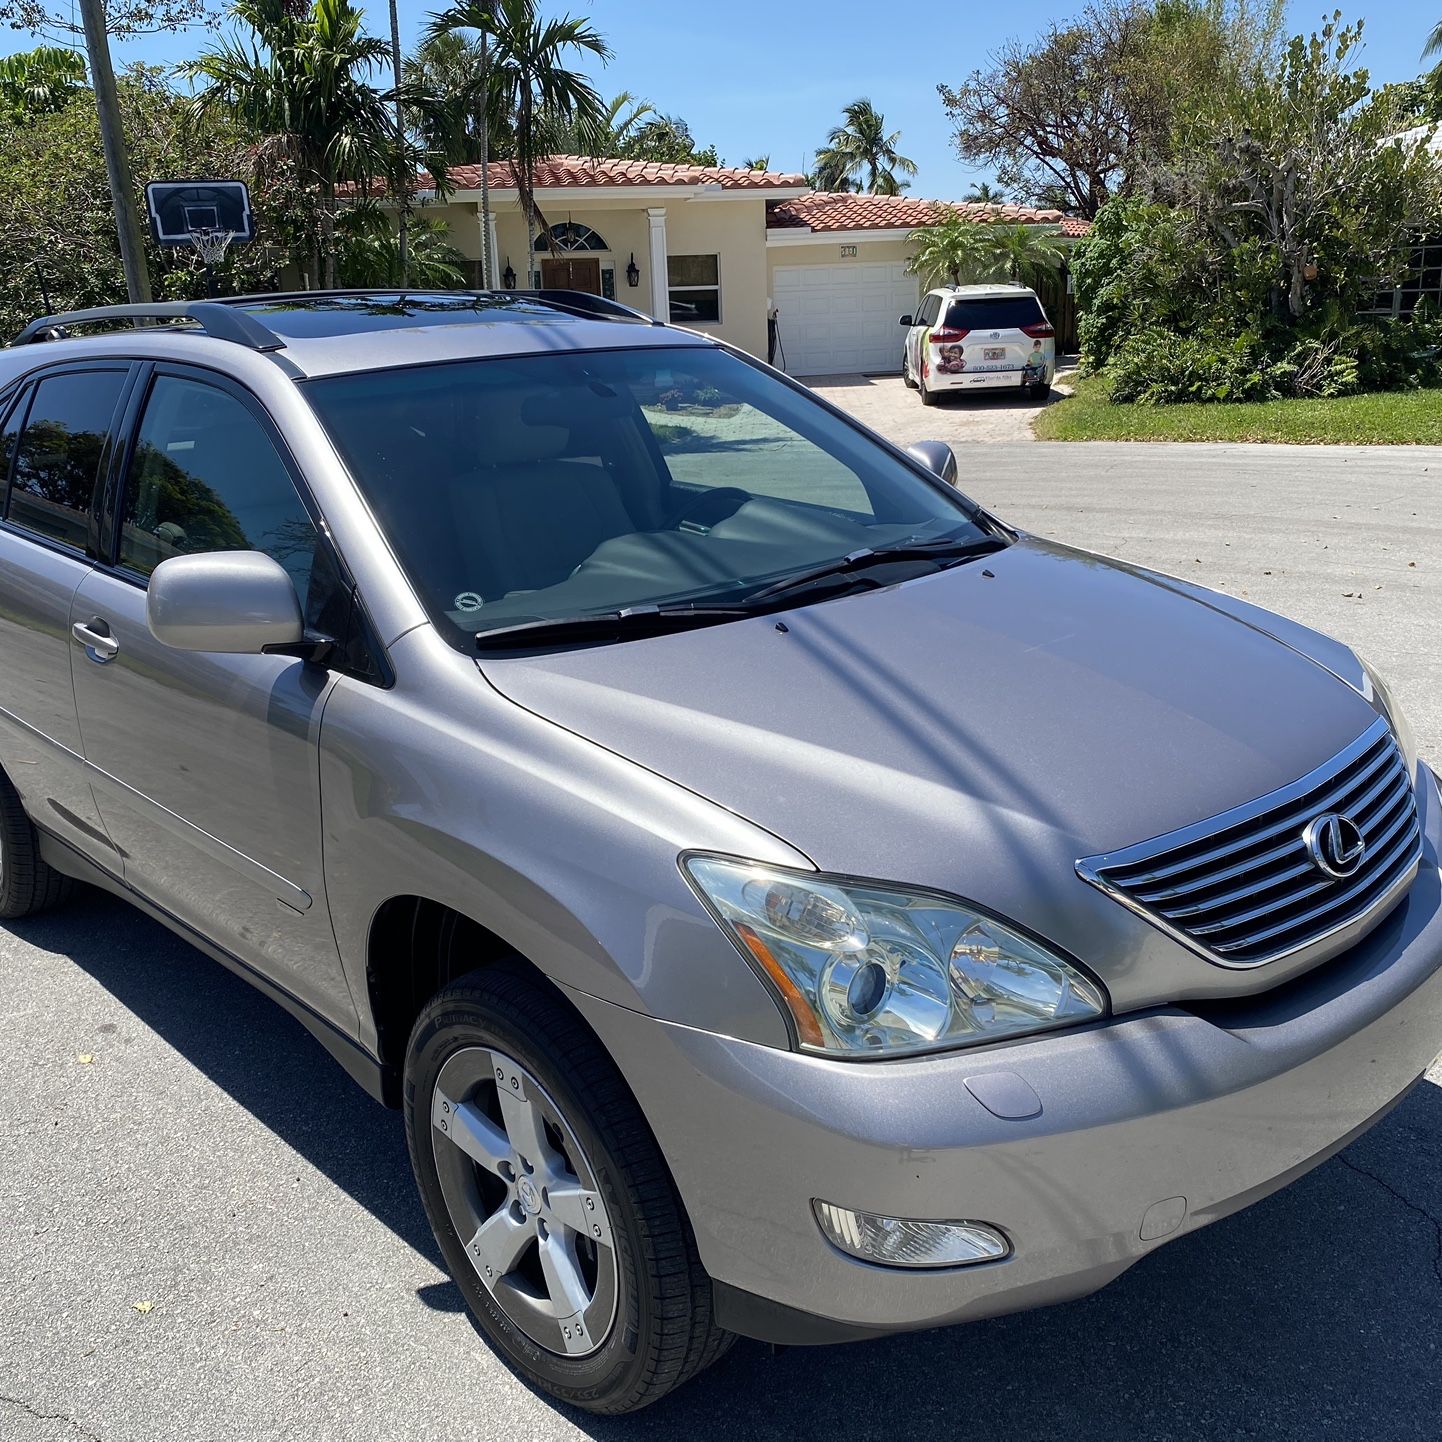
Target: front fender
(441, 787)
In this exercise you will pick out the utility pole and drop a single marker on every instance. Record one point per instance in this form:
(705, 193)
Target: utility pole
(117, 166)
(405, 247)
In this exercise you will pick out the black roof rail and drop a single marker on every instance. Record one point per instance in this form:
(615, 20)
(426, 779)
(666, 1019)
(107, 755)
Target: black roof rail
(221, 321)
(583, 302)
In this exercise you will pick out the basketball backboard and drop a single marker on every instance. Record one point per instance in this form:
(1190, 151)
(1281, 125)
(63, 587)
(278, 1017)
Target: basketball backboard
(179, 209)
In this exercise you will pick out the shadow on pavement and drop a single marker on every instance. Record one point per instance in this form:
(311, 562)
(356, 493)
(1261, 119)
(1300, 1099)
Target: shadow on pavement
(1313, 1315)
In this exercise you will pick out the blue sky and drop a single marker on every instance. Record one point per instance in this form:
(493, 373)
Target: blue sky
(770, 76)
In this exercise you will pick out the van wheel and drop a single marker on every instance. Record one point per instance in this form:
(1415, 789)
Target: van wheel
(1039, 392)
(907, 378)
(27, 883)
(928, 396)
(550, 1199)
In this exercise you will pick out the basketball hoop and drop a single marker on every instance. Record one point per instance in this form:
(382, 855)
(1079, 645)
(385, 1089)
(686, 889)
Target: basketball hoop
(211, 243)
(209, 215)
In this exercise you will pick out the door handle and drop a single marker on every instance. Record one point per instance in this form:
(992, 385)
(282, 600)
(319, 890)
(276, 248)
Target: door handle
(95, 636)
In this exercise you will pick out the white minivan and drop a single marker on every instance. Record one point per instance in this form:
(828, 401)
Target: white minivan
(969, 337)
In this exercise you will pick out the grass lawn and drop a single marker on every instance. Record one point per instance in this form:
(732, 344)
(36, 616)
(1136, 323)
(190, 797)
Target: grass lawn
(1386, 418)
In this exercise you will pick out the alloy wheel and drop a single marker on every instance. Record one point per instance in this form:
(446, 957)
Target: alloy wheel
(523, 1199)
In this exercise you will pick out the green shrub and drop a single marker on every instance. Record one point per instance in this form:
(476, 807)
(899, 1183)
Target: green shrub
(1156, 367)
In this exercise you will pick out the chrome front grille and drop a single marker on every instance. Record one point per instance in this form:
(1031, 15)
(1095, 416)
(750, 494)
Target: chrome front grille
(1243, 888)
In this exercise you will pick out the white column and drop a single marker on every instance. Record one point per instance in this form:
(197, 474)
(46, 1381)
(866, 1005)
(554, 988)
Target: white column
(660, 298)
(493, 266)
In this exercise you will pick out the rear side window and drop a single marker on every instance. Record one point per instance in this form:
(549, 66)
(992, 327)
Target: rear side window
(1002, 312)
(205, 476)
(57, 455)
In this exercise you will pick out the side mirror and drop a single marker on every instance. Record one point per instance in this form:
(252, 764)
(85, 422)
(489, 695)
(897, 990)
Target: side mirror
(937, 457)
(240, 603)
(905, 320)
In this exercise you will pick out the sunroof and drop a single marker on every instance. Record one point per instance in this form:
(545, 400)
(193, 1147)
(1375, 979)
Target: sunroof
(320, 316)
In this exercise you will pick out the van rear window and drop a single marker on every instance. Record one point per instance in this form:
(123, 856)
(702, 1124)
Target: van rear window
(1002, 312)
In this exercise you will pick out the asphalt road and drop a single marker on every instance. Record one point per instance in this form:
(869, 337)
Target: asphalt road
(168, 1138)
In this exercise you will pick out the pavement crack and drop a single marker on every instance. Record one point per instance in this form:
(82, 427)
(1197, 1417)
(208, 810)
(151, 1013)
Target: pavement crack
(1411, 1206)
(47, 1416)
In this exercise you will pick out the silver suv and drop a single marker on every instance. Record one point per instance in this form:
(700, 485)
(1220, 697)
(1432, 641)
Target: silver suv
(785, 899)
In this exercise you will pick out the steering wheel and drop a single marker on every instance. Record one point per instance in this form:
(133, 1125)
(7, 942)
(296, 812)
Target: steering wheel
(706, 501)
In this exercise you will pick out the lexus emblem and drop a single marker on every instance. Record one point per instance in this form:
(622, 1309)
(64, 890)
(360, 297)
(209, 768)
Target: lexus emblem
(1335, 844)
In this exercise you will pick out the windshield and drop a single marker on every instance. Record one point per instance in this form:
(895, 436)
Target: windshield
(561, 485)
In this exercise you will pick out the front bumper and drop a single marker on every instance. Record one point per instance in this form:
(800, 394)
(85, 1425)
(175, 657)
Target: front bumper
(1149, 1126)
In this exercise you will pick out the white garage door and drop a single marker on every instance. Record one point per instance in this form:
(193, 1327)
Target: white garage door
(837, 318)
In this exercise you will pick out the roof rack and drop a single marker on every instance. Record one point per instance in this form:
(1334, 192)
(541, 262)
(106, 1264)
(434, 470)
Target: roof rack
(583, 302)
(221, 321)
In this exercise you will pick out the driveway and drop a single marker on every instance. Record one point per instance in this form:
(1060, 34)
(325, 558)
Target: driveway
(887, 405)
(167, 1137)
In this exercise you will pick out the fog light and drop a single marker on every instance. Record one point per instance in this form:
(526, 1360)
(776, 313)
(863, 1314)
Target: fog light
(898, 1242)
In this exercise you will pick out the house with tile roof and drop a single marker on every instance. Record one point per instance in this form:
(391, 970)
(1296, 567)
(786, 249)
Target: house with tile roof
(714, 247)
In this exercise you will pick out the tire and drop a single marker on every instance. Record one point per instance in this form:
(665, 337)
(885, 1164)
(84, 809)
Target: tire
(1038, 392)
(27, 883)
(501, 1076)
(907, 378)
(928, 396)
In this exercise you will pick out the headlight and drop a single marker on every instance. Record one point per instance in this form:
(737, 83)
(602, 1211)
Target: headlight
(869, 970)
(1383, 699)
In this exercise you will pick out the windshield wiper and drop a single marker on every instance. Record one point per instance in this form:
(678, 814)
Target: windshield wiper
(946, 548)
(598, 625)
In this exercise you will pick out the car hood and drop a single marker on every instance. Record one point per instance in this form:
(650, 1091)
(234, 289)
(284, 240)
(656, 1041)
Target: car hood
(976, 730)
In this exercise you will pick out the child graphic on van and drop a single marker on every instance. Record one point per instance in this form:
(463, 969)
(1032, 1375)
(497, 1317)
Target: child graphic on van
(1034, 371)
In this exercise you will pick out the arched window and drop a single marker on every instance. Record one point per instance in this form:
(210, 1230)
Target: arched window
(568, 235)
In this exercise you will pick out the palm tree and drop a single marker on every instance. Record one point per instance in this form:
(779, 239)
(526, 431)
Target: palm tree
(952, 250)
(299, 85)
(526, 80)
(860, 146)
(758, 162)
(1023, 251)
(446, 77)
(983, 194)
(1434, 42)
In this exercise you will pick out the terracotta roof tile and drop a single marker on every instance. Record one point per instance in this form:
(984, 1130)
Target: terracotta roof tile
(559, 172)
(825, 211)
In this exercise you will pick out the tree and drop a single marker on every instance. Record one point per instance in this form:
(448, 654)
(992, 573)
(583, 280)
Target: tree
(758, 162)
(860, 147)
(39, 82)
(1077, 115)
(299, 86)
(953, 250)
(1434, 42)
(527, 80)
(1301, 177)
(124, 19)
(446, 79)
(58, 242)
(1024, 252)
(983, 194)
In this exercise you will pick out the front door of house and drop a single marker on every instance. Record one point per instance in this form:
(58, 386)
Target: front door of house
(572, 273)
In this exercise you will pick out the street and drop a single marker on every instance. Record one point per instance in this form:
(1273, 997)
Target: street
(209, 1232)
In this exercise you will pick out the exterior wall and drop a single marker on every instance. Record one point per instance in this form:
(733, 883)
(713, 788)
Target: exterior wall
(462, 229)
(734, 230)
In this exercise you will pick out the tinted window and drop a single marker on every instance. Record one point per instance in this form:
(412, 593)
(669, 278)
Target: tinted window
(57, 457)
(206, 477)
(14, 412)
(557, 484)
(1002, 312)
